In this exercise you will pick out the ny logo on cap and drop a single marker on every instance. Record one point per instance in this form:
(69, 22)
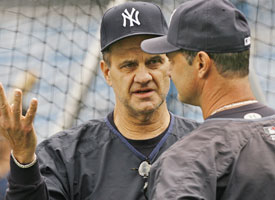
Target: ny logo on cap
(127, 15)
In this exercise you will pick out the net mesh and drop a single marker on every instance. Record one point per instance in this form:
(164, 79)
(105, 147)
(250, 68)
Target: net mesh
(50, 49)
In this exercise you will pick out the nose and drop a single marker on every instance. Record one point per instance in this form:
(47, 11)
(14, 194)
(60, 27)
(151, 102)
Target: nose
(142, 75)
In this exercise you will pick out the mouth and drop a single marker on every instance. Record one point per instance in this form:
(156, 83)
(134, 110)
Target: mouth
(143, 91)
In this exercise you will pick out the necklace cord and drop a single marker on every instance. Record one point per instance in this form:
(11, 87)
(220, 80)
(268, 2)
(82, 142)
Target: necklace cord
(242, 103)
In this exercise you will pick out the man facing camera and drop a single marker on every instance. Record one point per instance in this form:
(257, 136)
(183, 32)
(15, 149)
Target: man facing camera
(108, 158)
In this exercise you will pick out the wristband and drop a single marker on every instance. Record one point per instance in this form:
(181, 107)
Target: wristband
(21, 165)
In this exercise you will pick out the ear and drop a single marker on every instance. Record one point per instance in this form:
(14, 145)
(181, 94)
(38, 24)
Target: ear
(204, 64)
(106, 72)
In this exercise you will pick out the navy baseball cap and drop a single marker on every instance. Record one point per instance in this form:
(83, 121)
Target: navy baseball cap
(213, 26)
(129, 19)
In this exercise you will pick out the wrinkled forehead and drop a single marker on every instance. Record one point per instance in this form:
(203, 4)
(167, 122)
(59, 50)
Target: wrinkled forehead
(129, 43)
(129, 48)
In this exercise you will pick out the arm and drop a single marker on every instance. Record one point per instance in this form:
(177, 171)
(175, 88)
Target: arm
(189, 170)
(41, 181)
(174, 182)
(24, 183)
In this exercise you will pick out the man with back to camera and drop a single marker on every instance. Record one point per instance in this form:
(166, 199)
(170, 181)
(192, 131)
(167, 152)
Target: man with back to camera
(232, 154)
(109, 158)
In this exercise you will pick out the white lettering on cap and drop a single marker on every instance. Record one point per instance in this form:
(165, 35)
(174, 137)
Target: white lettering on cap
(127, 15)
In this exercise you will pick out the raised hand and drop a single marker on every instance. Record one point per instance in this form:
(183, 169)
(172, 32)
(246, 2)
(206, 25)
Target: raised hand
(18, 129)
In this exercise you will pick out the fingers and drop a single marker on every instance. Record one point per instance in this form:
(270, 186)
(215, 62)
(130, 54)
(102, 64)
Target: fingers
(4, 105)
(31, 112)
(17, 106)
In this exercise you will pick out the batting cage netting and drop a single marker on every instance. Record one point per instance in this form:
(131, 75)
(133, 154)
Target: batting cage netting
(50, 49)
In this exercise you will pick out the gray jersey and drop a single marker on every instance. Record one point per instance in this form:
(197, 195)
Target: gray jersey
(90, 162)
(225, 159)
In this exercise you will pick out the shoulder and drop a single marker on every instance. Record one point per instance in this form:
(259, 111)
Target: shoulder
(216, 141)
(94, 130)
(220, 135)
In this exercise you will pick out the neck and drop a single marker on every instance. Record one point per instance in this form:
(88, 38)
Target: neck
(226, 92)
(142, 126)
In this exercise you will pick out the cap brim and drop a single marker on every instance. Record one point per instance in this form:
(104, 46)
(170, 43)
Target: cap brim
(158, 45)
(129, 35)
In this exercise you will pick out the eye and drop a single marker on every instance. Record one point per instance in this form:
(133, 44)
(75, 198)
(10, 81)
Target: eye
(154, 61)
(128, 65)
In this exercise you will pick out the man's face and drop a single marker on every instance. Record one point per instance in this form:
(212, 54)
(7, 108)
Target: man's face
(183, 76)
(140, 81)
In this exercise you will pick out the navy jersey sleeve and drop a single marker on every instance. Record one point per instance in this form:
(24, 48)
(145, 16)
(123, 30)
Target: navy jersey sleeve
(47, 179)
(52, 177)
(26, 183)
(43, 181)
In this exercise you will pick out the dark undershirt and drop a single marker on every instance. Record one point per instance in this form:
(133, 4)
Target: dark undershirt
(241, 111)
(143, 146)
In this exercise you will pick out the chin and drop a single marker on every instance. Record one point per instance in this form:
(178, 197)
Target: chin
(146, 107)
(145, 110)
